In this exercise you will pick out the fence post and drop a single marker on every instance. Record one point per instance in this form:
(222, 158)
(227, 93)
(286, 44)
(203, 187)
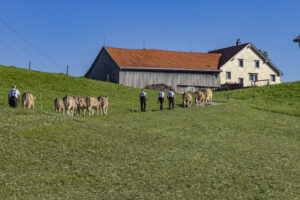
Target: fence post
(67, 70)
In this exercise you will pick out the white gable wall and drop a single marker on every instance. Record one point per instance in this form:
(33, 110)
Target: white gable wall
(249, 57)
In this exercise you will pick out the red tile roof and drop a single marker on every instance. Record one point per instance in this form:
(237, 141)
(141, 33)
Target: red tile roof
(228, 53)
(149, 58)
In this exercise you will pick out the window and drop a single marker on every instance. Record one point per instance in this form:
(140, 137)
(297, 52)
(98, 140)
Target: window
(241, 81)
(241, 62)
(228, 75)
(273, 78)
(257, 63)
(253, 77)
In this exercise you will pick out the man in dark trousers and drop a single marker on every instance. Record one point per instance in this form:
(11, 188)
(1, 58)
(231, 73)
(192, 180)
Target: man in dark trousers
(171, 98)
(161, 99)
(13, 96)
(143, 100)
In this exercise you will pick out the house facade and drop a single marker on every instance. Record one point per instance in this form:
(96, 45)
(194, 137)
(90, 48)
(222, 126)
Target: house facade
(246, 65)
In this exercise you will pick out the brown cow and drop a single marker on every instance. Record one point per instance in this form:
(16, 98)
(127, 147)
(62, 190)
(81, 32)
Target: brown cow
(92, 103)
(209, 96)
(70, 105)
(28, 100)
(103, 104)
(81, 105)
(199, 98)
(59, 105)
(187, 99)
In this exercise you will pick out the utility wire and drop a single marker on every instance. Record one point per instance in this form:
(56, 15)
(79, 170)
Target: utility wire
(27, 52)
(29, 43)
(12, 49)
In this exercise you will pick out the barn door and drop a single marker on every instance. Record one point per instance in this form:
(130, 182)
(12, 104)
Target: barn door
(107, 72)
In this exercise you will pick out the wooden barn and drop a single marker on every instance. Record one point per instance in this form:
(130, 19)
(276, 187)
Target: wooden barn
(183, 71)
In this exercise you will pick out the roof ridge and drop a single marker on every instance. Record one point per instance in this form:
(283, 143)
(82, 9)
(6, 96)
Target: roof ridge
(152, 58)
(245, 44)
(161, 50)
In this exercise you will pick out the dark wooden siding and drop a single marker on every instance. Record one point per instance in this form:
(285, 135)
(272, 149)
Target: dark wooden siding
(104, 68)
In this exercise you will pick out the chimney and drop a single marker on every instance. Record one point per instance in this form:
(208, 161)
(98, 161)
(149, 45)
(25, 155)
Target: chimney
(238, 42)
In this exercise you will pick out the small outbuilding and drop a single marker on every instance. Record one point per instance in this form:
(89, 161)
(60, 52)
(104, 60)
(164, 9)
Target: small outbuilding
(297, 39)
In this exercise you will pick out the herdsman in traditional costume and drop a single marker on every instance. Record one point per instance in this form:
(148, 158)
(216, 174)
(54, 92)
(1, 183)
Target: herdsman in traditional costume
(161, 99)
(13, 97)
(171, 98)
(143, 100)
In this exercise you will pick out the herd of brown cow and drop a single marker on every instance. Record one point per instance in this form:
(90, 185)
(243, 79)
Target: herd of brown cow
(74, 104)
(201, 98)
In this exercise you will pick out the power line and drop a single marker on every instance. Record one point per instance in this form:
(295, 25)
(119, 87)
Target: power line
(12, 50)
(21, 47)
(29, 43)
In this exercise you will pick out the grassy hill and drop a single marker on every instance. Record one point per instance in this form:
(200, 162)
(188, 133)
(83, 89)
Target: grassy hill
(236, 151)
(282, 98)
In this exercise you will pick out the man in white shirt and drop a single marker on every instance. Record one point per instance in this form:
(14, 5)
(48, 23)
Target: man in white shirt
(143, 100)
(171, 98)
(13, 96)
(161, 99)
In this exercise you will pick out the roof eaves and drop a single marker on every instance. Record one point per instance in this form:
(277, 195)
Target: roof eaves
(246, 45)
(212, 51)
(92, 66)
(112, 58)
(168, 69)
(280, 73)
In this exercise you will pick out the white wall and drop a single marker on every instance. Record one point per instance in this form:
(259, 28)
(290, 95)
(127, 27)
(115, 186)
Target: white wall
(249, 56)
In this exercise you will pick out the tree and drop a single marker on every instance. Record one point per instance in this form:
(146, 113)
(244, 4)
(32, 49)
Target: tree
(264, 53)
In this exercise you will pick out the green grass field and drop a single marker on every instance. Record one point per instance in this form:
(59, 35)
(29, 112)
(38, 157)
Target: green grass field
(246, 149)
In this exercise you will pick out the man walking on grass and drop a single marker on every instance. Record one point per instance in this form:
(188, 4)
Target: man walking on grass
(143, 100)
(171, 98)
(13, 97)
(161, 99)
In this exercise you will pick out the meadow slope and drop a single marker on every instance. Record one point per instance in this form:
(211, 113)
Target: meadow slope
(241, 150)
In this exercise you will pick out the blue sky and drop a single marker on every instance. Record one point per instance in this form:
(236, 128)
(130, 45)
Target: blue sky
(57, 33)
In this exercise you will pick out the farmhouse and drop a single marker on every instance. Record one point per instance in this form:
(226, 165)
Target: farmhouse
(246, 65)
(184, 71)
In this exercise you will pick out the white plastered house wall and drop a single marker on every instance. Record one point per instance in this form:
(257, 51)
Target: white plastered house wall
(249, 57)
